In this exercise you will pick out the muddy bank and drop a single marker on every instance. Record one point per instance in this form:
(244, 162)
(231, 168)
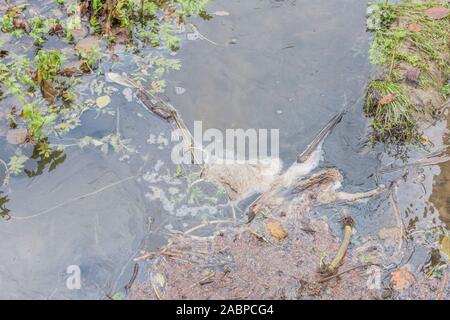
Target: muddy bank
(114, 194)
(250, 263)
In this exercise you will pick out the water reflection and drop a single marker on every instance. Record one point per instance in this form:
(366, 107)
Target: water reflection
(44, 158)
(441, 190)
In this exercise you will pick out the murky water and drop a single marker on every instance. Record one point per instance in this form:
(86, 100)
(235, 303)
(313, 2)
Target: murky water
(289, 65)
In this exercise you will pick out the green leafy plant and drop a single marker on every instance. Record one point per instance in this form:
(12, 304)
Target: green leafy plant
(16, 163)
(36, 120)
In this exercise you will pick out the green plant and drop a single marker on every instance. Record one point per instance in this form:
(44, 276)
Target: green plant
(36, 120)
(191, 7)
(446, 90)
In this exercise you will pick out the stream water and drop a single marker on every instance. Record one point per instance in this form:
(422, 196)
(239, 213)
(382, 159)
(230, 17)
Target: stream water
(290, 65)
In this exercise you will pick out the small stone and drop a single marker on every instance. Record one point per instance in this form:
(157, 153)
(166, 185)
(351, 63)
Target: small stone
(233, 41)
(413, 76)
(279, 111)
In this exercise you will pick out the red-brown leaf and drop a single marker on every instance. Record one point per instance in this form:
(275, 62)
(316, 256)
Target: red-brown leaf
(437, 13)
(387, 99)
(414, 27)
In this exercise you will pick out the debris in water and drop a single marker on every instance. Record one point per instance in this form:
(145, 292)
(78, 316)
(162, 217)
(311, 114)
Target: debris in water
(221, 13)
(156, 106)
(241, 179)
(121, 79)
(337, 260)
(128, 94)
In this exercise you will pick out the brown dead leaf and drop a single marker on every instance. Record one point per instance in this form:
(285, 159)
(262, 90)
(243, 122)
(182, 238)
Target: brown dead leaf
(17, 136)
(276, 230)
(387, 99)
(56, 28)
(48, 91)
(414, 27)
(437, 13)
(20, 23)
(68, 71)
(401, 279)
(71, 69)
